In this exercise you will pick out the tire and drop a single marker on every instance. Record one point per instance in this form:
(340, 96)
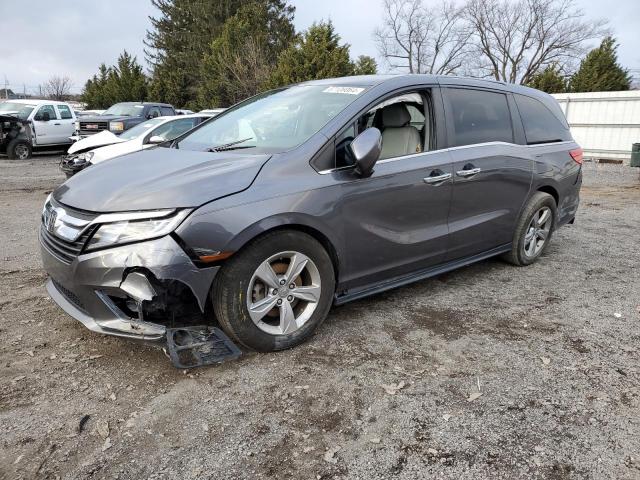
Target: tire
(19, 150)
(239, 285)
(524, 251)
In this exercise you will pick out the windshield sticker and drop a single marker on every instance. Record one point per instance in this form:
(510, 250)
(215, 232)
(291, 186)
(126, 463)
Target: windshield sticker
(347, 90)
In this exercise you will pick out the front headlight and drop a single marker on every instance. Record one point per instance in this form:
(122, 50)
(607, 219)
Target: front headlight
(77, 124)
(116, 126)
(120, 229)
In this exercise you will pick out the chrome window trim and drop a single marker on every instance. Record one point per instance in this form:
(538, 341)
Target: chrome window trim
(461, 147)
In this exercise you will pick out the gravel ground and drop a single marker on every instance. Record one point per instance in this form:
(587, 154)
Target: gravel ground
(490, 371)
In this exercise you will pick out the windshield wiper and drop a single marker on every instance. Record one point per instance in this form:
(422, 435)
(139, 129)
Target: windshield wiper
(227, 146)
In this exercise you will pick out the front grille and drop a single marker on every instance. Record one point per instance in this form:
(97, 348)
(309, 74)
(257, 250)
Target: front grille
(64, 250)
(69, 295)
(89, 128)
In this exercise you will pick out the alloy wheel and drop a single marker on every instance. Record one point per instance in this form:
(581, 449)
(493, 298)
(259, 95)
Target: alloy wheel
(283, 293)
(538, 232)
(21, 151)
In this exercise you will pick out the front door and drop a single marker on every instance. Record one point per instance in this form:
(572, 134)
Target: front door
(47, 132)
(491, 177)
(395, 222)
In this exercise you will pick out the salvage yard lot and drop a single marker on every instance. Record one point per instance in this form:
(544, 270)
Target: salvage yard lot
(387, 388)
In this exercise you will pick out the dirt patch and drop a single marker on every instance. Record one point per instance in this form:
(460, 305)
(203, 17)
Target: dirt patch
(552, 349)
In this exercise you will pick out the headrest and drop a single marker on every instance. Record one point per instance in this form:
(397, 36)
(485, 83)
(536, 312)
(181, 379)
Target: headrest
(395, 115)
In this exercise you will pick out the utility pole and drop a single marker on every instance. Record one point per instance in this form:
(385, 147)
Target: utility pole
(6, 86)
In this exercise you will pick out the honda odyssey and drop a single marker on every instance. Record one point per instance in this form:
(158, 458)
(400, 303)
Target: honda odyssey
(310, 196)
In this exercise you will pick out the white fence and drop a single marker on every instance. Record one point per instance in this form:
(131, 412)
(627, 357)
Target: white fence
(605, 124)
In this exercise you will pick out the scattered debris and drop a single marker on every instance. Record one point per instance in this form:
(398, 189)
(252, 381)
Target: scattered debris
(102, 427)
(107, 444)
(18, 378)
(308, 449)
(617, 315)
(375, 440)
(446, 417)
(83, 421)
(393, 388)
(474, 396)
(329, 455)
(545, 360)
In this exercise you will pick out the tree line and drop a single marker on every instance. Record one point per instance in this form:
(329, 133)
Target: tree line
(213, 53)
(541, 43)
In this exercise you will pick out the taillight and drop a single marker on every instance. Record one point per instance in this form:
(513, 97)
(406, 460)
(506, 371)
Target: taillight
(576, 155)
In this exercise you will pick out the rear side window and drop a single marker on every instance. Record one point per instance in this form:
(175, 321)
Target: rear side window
(65, 113)
(540, 124)
(168, 111)
(478, 116)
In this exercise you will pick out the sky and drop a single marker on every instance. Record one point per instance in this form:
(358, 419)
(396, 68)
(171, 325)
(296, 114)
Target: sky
(72, 37)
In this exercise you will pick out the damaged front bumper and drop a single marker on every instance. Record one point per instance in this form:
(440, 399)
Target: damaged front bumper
(135, 291)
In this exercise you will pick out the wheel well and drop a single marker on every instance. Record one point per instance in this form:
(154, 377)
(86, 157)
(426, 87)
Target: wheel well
(551, 191)
(318, 235)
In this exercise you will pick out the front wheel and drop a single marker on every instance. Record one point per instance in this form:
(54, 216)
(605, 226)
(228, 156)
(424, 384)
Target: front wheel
(533, 231)
(19, 150)
(274, 293)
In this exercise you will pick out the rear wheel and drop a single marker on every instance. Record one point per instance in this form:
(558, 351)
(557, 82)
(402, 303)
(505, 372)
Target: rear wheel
(274, 293)
(533, 231)
(19, 150)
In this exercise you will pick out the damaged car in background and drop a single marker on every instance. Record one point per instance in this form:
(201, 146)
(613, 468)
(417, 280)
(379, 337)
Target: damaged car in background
(106, 145)
(316, 194)
(15, 137)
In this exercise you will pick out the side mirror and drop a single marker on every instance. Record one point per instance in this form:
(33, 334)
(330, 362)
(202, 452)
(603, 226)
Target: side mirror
(153, 114)
(366, 149)
(156, 139)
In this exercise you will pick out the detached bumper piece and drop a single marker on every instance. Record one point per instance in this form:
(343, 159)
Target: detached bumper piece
(198, 346)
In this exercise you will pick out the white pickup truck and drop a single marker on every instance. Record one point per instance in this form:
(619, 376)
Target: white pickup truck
(52, 123)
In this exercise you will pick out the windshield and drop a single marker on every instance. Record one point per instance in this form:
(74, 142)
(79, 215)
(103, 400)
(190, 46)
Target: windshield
(124, 109)
(20, 110)
(273, 122)
(141, 129)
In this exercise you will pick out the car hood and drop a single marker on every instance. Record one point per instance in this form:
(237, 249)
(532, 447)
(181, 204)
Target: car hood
(102, 118)
(159, 178)
(109, 152)
(94, 141)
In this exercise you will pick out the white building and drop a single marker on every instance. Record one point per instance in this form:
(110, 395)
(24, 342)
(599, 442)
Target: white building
(605, 124)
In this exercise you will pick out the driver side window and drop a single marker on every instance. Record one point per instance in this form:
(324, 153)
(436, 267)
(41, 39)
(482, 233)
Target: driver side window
(405, 122)
(48, 109)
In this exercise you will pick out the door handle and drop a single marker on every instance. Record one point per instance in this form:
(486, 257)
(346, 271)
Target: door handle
(468, 173)
(436, 179)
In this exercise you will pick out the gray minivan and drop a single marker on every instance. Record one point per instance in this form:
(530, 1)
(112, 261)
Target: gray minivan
(315, 194)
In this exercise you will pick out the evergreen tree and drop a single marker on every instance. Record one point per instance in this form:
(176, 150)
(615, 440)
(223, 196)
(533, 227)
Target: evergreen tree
(123, 82)
(238, 63)
(126, 81)
(316, 54)
(95, 93)
(365, 65)
(177, 42)
(549, 80)
(600, 70)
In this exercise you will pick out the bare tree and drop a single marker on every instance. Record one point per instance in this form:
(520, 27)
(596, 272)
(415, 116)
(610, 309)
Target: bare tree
(515, 40)
(58, 88)
(422, 39)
